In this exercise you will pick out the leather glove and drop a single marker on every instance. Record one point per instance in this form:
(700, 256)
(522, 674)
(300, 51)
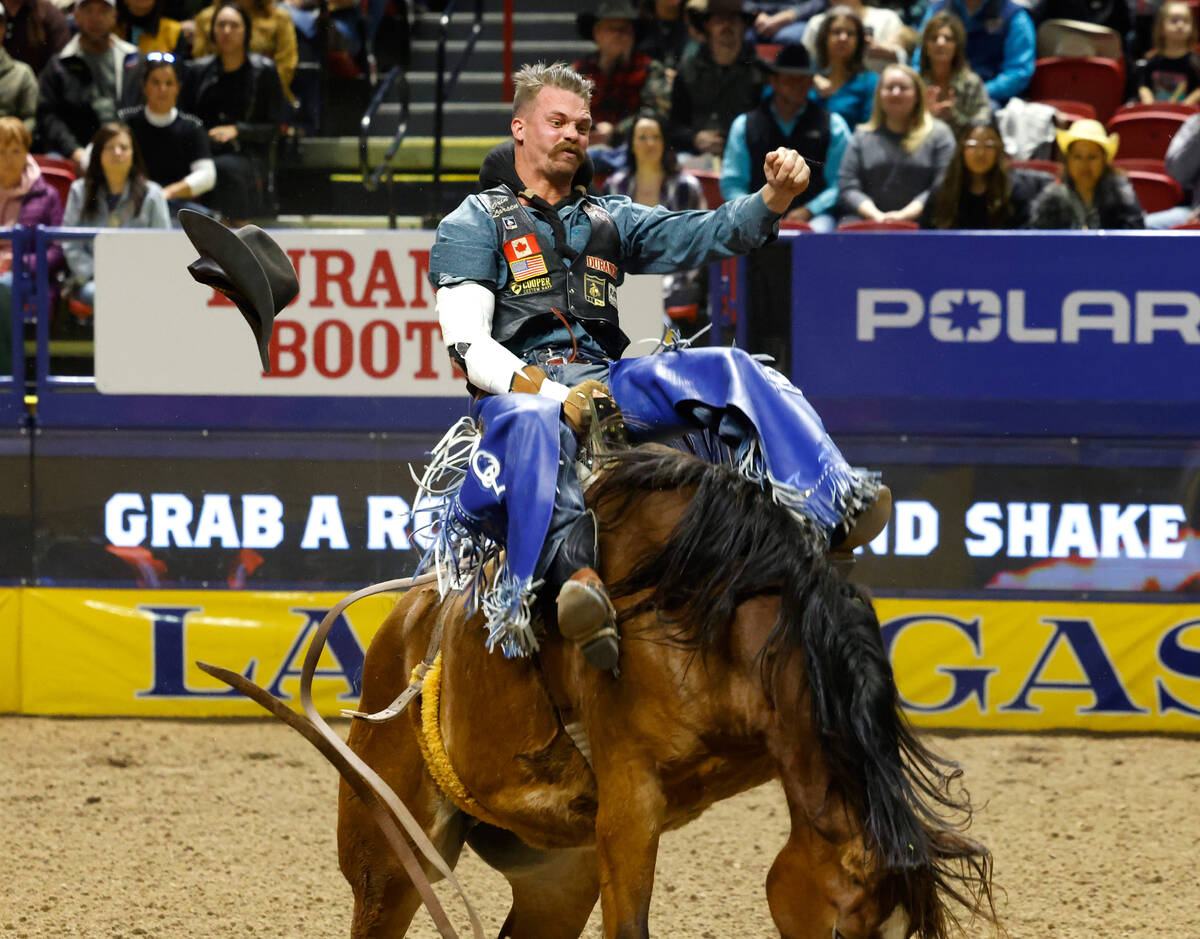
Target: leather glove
(577, 409)
(528, 381)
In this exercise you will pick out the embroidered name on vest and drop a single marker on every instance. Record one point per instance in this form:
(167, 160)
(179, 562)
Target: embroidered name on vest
(599, 264)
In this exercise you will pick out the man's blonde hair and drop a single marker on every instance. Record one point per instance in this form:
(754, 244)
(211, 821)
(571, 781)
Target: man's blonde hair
(531, 79)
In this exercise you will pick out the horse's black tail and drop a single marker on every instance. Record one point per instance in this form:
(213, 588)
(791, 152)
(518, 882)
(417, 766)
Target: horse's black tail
(912, 809)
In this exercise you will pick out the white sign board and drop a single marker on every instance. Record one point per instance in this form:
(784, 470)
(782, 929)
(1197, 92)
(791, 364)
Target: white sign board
(363, 324)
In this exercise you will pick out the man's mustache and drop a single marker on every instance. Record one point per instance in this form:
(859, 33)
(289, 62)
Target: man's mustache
(564, 147)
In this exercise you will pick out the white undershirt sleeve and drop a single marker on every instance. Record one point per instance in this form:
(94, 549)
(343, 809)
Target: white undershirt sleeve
(465, 313)
(202, 177)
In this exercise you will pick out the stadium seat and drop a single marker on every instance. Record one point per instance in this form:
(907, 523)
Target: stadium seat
(1046, 166)
(1145, 132)
(1155, 190)
(794, 225)
(60, 179)
(1186, 226)
(1076, 110)
(710, 182)
(62, 163)
(865, 224)
(1060, 38)
(1165, 107)
(1099, 82)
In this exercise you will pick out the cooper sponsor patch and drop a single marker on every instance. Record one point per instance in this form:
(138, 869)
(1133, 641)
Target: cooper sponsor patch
(593, 289)
(599, 264)
(535, 285)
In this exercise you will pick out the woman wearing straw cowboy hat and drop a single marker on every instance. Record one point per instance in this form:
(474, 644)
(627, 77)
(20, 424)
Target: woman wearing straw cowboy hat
(1092, 193)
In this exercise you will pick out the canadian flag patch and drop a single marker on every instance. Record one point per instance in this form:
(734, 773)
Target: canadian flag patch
(521, 247)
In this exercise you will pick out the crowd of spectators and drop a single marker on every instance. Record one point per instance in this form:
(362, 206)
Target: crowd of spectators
(910, 112)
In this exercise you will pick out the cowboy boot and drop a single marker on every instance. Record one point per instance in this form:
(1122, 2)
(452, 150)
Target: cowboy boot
(863, 527)
(585, 613)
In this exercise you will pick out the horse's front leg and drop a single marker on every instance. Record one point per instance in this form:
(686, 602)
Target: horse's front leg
(629, 820)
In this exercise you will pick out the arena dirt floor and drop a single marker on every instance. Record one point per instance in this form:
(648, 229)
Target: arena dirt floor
(122, 828)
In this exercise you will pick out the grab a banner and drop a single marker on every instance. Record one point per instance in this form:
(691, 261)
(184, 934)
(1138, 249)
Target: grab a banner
(363, 324)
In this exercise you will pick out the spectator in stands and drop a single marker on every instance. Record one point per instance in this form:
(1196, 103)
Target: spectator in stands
(1183, 163)
(1172, 71)
(25, 199)
(956, 94)
(784, 22)
(981, 188)
(897, 158)
(888, 40)
(173, 145)
(237, 96)
(1092, 194)
(1001, 43)
(114, 193)
(36, 31)
(844, 85)
(86, 84)
(653, 177)
(788, 119)
(271, 34)
(1115, 14)
(623, 80)
(664, 34)
(721, 81)
(18, 87)
(142, 23)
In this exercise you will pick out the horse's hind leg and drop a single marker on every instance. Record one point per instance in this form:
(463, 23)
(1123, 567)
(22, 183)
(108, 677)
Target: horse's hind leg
(385, 899)
(554, 892)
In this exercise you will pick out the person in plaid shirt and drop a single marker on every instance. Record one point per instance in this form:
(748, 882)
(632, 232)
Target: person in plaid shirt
(625, 81)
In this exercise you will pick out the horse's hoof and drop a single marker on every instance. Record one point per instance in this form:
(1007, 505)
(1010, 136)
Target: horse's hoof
(602, 652)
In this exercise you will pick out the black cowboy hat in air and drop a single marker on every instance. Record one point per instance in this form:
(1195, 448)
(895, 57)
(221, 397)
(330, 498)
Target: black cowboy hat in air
(247, 266)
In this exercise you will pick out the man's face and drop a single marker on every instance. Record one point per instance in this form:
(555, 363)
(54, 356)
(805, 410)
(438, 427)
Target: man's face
(95, 19)
(551, 134)
(725, 30)
(791, 91)
(613, 38)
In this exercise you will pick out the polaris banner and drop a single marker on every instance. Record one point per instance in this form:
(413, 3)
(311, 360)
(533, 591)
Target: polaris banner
(1015, 332)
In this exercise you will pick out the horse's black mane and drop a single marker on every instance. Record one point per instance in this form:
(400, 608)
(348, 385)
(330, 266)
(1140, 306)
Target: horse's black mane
(733, 542)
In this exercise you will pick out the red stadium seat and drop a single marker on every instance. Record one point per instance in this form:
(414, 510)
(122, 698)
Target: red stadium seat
(60, 179)
(794, 225)
(1099, 82)
(1076, 110)
(865, 224)
(62, 163)
(711, 184)
(1166, 107)
(1155, 190)
(1045, 166)
(1186, 226)
(1145, 133)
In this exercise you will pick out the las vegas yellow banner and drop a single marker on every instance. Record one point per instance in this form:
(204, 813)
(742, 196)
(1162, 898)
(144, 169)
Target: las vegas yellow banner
(1034, 665)
(986, 664)
(132, 652)
(10, 644)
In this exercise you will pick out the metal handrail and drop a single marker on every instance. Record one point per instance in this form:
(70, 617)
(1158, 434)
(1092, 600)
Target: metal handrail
(372, 178)
(443, 88)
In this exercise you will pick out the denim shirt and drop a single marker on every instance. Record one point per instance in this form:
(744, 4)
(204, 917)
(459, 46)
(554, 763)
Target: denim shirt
(653, 239)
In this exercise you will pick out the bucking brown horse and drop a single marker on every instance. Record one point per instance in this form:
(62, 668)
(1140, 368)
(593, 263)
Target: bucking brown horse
(745, 657)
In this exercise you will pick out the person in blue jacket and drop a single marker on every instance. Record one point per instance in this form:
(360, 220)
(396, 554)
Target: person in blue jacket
(1001, 43)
